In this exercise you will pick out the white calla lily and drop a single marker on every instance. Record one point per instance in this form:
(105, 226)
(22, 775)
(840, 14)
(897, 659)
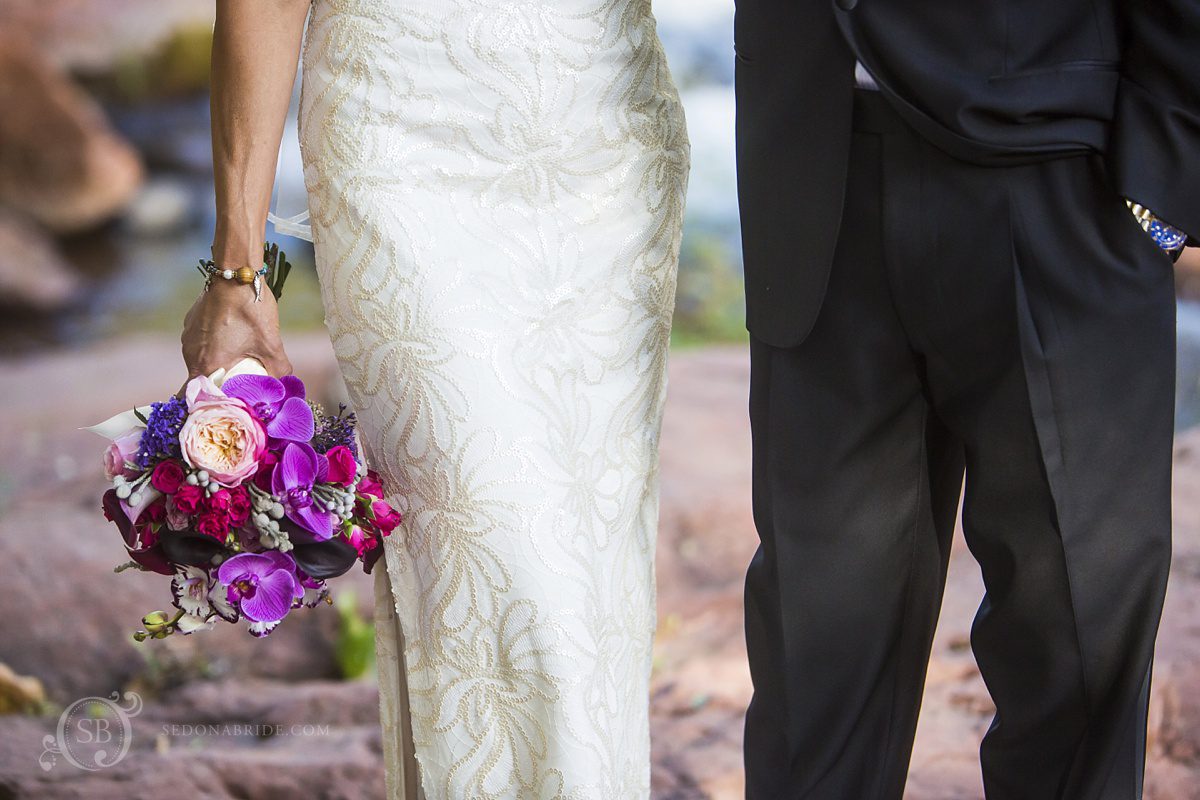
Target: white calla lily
(247, 366)
(118, 425)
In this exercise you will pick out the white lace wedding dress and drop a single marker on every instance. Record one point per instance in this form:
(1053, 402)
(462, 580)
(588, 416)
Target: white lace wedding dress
(496, 192)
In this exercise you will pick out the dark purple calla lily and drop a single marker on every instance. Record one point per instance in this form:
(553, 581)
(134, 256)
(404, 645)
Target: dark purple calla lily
(372, 555)
(298, 469)
(142, 546)
(325, 559)
(278, 402)
(190, 548)
(263, 585)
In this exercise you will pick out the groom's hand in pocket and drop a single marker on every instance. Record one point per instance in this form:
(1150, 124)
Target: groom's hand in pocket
(226, 324)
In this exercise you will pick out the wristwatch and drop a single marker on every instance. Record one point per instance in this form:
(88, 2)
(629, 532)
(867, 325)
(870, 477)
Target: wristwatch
(1169, 238)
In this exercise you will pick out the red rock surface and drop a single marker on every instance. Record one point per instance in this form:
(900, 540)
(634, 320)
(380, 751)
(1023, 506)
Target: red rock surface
(73, 634)
(32, 271)
(61, 163)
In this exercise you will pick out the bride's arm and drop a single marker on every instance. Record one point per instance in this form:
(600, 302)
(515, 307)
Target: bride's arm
(256, 44)
(255, 47)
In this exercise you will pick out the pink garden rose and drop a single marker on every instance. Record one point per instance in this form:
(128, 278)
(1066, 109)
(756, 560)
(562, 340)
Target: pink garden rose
(120, 450)
(220, 435)
(342, 466)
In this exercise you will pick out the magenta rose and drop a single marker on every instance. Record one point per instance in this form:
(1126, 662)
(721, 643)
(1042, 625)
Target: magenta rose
(188, 498)
(342, 466)
(386, 517)
(266, 467)
(155, 512)
(167, 476)
(213, 524)
(218, 501)
(370, 484)
(220, 435)
(239, 505)
(360, 539)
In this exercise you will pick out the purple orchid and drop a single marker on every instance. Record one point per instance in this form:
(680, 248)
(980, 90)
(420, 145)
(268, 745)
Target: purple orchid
(278, 402)
(314, 591)
(292, 481)
(263, 586)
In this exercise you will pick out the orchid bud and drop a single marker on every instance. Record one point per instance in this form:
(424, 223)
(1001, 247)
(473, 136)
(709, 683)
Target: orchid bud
(155, 621)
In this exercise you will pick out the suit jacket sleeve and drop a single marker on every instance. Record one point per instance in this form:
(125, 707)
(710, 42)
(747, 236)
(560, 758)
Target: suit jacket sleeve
(1154, 149)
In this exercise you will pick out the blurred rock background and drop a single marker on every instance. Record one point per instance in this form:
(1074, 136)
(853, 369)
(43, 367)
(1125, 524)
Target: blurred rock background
(105, 204)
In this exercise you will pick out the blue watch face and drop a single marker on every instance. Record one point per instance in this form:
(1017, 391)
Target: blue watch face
(1167, 237)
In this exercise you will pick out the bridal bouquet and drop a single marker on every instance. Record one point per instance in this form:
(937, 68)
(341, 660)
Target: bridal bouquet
(247, 494)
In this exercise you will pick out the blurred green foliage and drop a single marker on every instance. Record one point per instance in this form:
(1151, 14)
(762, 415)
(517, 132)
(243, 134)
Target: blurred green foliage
(709, 306)
(355, 647)
(178, 67)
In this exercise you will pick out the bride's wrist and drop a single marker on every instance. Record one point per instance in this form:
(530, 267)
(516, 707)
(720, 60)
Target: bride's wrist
(237, 256)
(235, 251)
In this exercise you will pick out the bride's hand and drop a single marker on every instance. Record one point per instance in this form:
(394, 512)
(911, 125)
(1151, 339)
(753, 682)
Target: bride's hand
(225, 325)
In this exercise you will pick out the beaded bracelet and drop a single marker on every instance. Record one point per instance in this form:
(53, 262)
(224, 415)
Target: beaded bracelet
(243, 275)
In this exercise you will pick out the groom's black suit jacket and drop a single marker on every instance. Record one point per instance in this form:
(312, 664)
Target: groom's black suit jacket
(990, 81)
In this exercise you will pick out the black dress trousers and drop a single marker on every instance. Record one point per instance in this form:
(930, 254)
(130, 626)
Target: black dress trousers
(1014, 324)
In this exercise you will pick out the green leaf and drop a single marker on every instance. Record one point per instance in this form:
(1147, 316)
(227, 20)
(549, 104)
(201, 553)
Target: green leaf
(278, 268)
